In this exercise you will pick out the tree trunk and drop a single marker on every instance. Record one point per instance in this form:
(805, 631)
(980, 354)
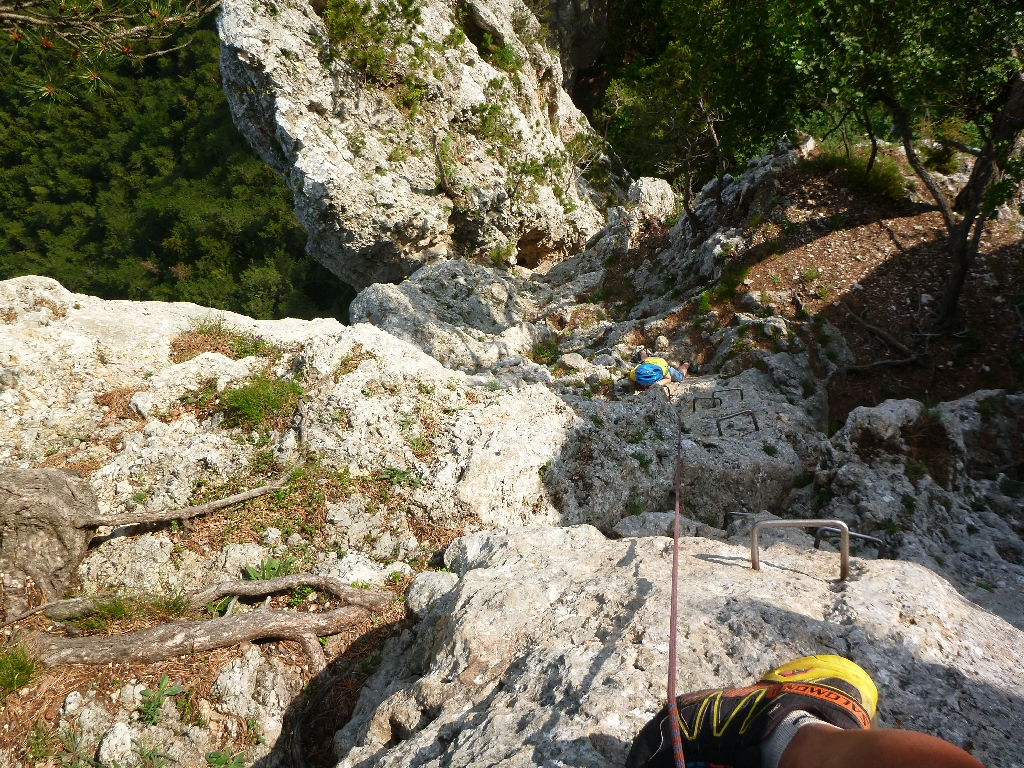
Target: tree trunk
(49, 516)
(39, 536)
(1002, 138)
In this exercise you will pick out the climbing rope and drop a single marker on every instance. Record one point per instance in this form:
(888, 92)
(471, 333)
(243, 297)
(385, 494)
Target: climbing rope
(673, 710)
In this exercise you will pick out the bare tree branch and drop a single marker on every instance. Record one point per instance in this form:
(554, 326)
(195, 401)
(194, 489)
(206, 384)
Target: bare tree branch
(83, 521)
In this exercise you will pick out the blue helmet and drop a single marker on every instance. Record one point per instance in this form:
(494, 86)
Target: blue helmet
(647, 374)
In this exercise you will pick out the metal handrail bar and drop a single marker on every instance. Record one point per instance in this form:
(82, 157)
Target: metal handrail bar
(729, 389)
(824, 531)
(718, 422)
(844, 533)
(712, 399)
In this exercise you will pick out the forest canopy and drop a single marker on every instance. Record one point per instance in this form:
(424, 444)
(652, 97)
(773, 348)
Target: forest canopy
(146, 190)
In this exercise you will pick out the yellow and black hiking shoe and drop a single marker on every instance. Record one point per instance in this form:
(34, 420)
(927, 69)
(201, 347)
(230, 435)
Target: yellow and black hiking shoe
(724, 728)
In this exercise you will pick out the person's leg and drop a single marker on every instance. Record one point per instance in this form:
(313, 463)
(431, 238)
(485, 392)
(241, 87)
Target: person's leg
(825, 746)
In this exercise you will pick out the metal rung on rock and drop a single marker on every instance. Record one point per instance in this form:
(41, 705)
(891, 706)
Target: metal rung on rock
(718, 422)
(835, 525)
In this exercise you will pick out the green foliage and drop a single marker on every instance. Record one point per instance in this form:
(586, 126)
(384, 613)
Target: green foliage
(915, 470)
(271, 568)
(238, 344)
(369, 665)
(676, 64)
(254, 403)
(884, 180)
(545, 352)
(16, 669)
(499, 255)
(153, 701)
(705, 302)
(41, 743)
(224, 759)
(299, 595)
(171, 605)
(398, 477)
(733, 275)
(105, 613)
(644, 460)
(494, 123)
(148, 192)
(66, 45)
(369, 35)
(769, 449)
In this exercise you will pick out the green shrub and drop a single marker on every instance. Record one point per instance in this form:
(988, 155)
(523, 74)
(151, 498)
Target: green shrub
(733, 275)
(224, 759)
(885, 179)
(705, 302)
(545, 352)
(370, 34)
(397, 476)
(256, 402)
(16, 669)
(939, 157)
(769, 449)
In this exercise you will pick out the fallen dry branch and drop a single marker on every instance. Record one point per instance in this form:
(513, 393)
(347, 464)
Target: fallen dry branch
(350, 595)
(885, 336)
(879, 364)
(179, 638)
(184, 513)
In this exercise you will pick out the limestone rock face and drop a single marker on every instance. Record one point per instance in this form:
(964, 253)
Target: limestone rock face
(552, 648)
(464, 315)
(922, 481)
(478, 163)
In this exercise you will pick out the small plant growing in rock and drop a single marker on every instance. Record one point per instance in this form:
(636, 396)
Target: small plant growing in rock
(769, 449)
(545, 352)
(360, 584)
(643, 460)
(808, 387)
(105, 614)
(153, 701)
(705, 303)
(271, 568)
(369, 665)
(398, 477)
(915, 470)
(299, 595)
(224, 759)
(40, 745)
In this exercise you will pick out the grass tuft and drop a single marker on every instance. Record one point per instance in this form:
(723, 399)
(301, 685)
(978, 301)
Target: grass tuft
(258, 401)
(16, 669)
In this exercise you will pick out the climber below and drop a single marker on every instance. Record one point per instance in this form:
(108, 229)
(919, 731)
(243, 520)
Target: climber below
(648, 371)
(814, 712)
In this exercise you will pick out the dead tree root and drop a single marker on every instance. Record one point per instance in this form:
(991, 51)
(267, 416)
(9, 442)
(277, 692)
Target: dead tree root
(179, 638)
(349, 595)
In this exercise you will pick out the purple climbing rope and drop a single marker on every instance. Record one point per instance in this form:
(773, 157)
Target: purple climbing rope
(673, 710)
